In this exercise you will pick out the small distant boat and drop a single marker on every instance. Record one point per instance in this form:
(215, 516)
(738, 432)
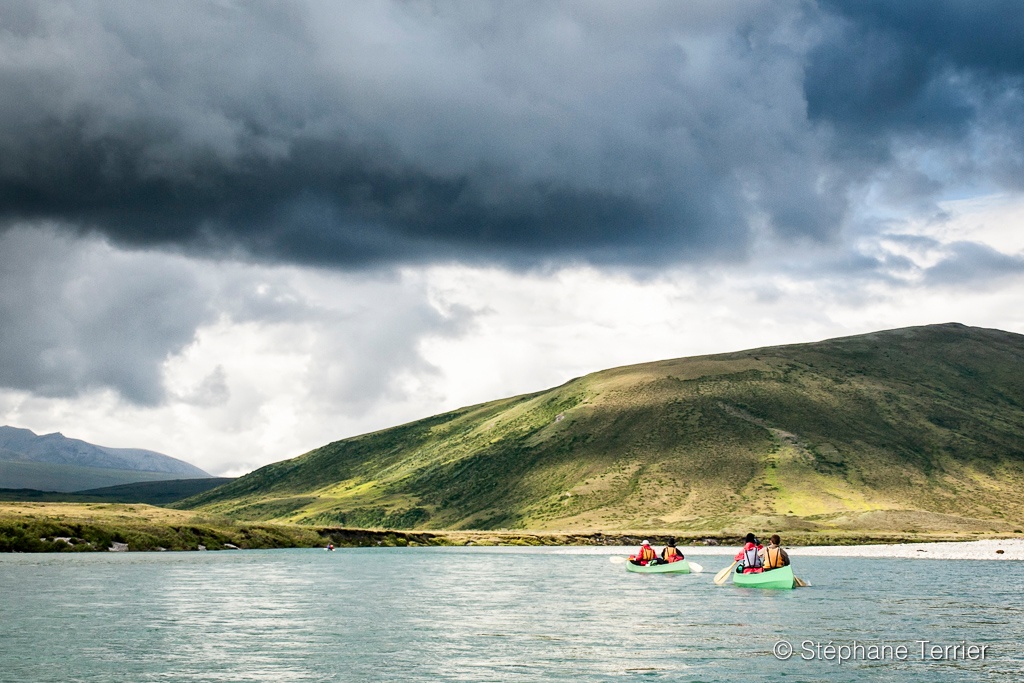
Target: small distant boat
(680, 567)
(781, 579)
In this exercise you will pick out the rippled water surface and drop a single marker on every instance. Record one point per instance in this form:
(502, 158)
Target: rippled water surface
(487, 614)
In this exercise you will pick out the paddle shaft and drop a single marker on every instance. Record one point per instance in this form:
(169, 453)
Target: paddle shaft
(722, 576)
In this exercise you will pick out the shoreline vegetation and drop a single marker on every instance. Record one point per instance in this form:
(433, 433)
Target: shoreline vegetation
(100, 527)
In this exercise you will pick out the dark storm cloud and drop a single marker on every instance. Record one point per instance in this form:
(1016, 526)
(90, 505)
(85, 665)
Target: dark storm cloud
(378, 133)
(396, 132)
(929, 71)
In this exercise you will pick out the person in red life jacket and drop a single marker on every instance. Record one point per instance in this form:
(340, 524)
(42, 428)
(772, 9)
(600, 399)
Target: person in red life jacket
(670, 553)
(645, 555)
(750, 557)
(773, 556)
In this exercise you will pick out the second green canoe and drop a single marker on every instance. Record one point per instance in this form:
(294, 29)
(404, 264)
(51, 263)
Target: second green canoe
(781, 578)
(680, 567)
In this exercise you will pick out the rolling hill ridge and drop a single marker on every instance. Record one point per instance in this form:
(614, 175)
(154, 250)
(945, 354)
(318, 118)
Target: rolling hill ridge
(907, 430)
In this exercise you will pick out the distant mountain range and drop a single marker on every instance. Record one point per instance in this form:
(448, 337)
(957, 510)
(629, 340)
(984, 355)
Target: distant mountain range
(911, 430)
(53, 462)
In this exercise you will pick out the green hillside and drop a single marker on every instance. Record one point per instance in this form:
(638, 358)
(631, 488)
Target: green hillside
(911, 430)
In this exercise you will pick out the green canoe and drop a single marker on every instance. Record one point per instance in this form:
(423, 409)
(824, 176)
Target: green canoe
(680, 567)
(781, 578)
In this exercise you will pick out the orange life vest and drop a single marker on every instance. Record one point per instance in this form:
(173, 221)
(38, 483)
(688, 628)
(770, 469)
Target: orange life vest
(671, 552)
(646, 554)
(772, 562)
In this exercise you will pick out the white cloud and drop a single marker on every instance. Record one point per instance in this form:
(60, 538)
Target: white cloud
(996, 221)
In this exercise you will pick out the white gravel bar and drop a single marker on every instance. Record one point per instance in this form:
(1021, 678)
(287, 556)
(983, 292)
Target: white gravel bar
(1012, 549)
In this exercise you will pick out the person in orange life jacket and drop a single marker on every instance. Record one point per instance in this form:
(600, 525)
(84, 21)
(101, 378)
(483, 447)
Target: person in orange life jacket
(645, 555)
(671, 553)
(774, 556)
(750, 557)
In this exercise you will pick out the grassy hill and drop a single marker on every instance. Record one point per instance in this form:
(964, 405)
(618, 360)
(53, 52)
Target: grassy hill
(912, 430)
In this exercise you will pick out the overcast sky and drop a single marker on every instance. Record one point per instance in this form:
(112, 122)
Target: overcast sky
(233, 232)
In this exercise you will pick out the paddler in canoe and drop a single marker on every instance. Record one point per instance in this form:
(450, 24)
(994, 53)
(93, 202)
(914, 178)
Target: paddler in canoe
(773, 556)
(670, 553)
(764, 565)
(645, 555)
(749, 558)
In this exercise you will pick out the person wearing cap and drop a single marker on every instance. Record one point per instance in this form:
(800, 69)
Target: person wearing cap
(645, 555)
(773, 556)
(750, 557)
(670, 553)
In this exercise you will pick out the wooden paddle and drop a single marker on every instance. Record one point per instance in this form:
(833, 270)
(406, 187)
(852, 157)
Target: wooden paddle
(617, 559)
(723, 576)
(695, 568)
(800, 583)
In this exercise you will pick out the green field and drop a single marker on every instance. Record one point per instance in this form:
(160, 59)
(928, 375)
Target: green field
(71, 527)
(912, 431)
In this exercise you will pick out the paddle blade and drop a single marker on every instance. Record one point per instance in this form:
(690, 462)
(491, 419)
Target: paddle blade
(800, 583)
(695, 568)
(723, 576)
(615, 559)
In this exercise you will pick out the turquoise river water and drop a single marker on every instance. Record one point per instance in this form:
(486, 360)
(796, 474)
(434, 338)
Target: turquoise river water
(493, 614)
